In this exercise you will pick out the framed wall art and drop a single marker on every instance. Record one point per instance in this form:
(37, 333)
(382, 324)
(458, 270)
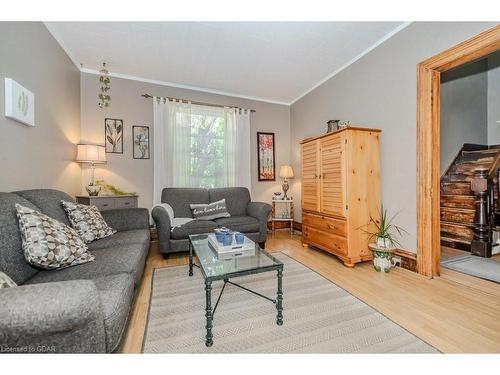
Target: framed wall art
(113, 130)
(140, 140)
(265, 156)
(19, 103)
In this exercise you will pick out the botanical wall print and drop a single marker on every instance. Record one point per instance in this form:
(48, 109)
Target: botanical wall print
(19, 103)
(265, 161)
(140, 138)
(113, 135)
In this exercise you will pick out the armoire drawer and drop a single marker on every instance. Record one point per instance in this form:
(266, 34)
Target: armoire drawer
(327, 224)
(327, 241)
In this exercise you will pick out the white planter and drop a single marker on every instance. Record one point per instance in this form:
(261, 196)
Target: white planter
(382, 257)
(383, 242)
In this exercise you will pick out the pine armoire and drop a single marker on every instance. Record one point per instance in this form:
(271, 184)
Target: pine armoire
(340, 191)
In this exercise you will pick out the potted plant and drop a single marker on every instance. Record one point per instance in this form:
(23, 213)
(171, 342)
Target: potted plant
(384, 233)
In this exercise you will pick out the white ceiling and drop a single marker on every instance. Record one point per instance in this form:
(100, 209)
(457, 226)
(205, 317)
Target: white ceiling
(270, 61)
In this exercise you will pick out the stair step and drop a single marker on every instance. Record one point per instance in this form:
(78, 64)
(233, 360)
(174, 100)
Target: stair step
(456, 230)
(458, 201)
(481, 152)
(457, 215)
(489, 154)
(455, 243)
(461, 240)
(461, 188)
(460, 177)
(469, 167)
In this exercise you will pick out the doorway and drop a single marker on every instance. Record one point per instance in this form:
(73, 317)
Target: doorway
(428, 141)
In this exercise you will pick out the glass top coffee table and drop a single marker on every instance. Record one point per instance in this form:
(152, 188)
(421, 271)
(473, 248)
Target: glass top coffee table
(226, 268)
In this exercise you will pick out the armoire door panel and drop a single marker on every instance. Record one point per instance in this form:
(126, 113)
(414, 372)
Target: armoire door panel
(310, 176)
(332, 179)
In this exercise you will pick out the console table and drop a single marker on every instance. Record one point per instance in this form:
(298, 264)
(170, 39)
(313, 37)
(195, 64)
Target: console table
(108, 202)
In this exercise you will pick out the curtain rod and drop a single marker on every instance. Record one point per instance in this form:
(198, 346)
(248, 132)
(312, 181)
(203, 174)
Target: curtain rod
(147, 96)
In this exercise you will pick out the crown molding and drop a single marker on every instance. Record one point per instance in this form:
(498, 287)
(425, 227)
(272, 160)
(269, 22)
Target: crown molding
(187, 87)
(352, 61)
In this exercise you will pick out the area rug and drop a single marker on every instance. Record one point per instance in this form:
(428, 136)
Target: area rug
(319, 317)
(475, 266)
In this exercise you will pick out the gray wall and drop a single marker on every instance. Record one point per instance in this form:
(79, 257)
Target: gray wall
(464, 109)
(39, 157)
(127, 104)
(379, 91)
(494, 99)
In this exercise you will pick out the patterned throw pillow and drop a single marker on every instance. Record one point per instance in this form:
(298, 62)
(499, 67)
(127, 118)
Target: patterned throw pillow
(87, 221)
(48, 243)
(210, 211)
(6, 281)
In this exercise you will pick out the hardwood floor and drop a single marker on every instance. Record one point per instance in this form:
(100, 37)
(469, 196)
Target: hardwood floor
(453, 317)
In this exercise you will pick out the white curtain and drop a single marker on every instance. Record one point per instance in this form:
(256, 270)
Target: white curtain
(237, 143)
(179, 128)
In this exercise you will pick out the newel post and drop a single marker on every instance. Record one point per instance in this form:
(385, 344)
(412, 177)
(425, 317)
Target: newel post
(481, 244)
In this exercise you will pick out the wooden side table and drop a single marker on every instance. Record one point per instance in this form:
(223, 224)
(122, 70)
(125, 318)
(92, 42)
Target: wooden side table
(288, 213)
(109, 202)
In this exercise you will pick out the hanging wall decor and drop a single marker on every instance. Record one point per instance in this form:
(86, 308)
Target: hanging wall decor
(104, 80)
(19, 103)
(140, 138)
(265, 156)
(113, 135)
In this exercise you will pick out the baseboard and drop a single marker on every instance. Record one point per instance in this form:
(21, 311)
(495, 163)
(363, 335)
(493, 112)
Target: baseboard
(408, 259)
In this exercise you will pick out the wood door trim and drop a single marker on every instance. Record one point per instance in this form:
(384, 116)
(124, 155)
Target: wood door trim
(428, 142)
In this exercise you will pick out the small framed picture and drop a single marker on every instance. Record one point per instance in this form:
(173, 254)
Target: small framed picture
(140, 139)
(113, 135)
(265, 156)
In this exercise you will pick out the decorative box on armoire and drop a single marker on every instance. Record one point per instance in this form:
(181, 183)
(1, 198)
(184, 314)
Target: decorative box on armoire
(340, 191)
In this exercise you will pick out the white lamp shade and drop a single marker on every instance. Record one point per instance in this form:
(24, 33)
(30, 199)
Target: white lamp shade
(286, 171)
(90, 154)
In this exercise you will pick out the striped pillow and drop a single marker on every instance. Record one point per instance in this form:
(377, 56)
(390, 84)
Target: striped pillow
(210, 211)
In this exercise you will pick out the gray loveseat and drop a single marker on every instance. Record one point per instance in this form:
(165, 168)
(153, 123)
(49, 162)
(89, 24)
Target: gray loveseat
(246, 216)
(83, 308)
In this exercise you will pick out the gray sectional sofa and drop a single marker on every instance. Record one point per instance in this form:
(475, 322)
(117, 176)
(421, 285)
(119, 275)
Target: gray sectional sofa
(84, 308)
(246, 216)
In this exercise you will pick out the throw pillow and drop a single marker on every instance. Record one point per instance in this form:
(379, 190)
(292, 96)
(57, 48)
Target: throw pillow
(6, 281)
(87, 221)
(210, 211)
(49, 244)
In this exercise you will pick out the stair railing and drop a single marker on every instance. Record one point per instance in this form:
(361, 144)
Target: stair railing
(481, 242)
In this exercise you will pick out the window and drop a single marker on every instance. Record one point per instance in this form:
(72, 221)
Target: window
(207, 145)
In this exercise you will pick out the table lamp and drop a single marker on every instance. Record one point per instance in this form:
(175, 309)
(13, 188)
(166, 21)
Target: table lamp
(286, 172)
(92, 154)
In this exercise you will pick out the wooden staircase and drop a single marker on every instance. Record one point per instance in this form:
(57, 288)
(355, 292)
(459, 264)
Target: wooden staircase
(457, 199)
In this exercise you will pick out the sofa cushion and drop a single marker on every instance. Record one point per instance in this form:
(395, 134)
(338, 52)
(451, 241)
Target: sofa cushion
(193, 227)
(48, 201)
(181, 198)
(109, 261)
(116, 293)
(245, 224)
(237, 199)
(6, 281)
(48, 243)
(210, 211)
(87, 221)
(136, 236)
(12, 260)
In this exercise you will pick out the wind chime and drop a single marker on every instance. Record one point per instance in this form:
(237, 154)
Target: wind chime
(105, 81)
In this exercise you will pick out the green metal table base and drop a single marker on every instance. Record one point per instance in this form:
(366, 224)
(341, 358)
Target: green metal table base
(209, 312)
